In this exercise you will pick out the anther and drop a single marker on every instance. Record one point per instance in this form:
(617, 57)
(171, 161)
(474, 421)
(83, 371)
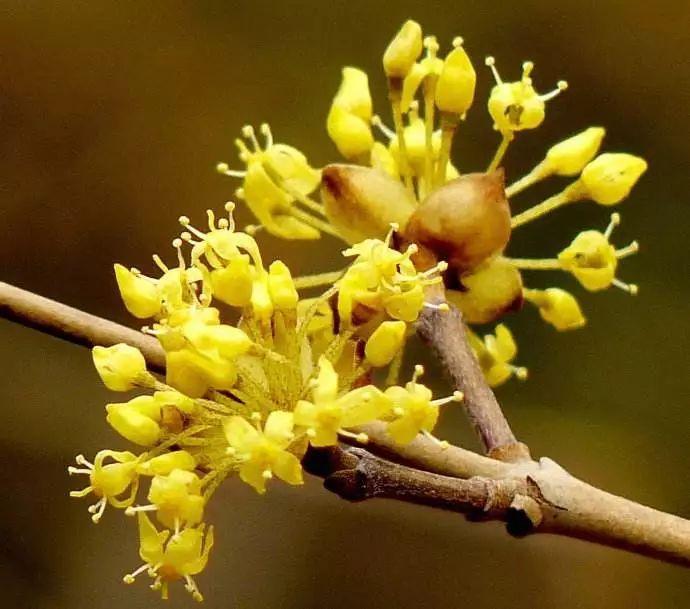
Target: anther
(267, 474)
(458, 41)
(491, 63)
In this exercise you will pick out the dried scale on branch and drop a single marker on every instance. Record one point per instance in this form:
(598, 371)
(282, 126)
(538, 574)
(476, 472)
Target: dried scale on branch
(293, 381)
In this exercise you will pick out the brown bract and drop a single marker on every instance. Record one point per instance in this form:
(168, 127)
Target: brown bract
(464, 222)
(361, 202)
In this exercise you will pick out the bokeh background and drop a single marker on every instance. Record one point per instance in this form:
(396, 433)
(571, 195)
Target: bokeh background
(113, 115)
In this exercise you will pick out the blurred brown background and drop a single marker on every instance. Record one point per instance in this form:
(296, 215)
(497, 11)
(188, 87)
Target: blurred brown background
(112, 118)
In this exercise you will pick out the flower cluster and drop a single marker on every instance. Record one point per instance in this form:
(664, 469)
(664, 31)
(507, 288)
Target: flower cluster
(248, 397)
(406, 177)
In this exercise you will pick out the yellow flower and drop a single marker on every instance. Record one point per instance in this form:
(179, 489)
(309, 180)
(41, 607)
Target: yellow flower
(176, 498)
(329, 413)
(557, 307)
(108, 482)
(413, 410)
(495, 353)
(194, 373)
(262, 453)
(169, 558)
(515, 106)
(275, 175)
(383, 280)
(593, 260)
(120, 367)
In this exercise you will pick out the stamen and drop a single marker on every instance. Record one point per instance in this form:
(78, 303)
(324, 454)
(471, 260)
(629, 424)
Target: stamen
(76, 470)
(177, 244)
(211, 219)
(398, 411)
(561, 86)
(615, 221)
(230, 208)
(629, 250)
(527, 68)
(224, 168)
(361, 438)
(159, 263)
(245, 153)
(266, 132)
(457, 396)
(630, 288)
(81, 460)
(491, 63)
(101, 508)
(132, 510)
(384, 129)
(418, 371)
(249, 134)
(82, 493)
(520, 372)
(267, 474)
(129, 578)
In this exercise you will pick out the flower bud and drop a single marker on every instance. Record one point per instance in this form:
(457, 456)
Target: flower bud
(491, 290)
(569, 157)
(132, 424)
(464, 222)
(349, 119)
(362, 202)
(281, 287)
(140, 295)
(385, 342)
(163, 464)
(403, 50)
(557, 307)
(609, 178)
(119, 366)
(455, 86)
(228, 340)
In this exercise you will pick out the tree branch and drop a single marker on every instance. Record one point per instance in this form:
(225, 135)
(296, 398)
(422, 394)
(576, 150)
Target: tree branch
(446, 336)
(528, 496)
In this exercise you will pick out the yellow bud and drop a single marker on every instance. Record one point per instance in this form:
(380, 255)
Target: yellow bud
(132, 424)
(385, 342)
(557, 307)
(146, 405)
(233, 283)
(362, 202)
(281, 287)
(140, 295)
(119, 366)
(455, 86)
(403, 50)
(569, 157)
(166, 463)
(349, 118)
(609, 178)
(489, 292)
(228, 340)
(193, 373)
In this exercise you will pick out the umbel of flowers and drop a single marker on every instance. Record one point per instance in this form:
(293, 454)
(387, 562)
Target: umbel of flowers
(247, 397)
